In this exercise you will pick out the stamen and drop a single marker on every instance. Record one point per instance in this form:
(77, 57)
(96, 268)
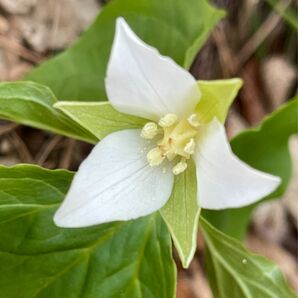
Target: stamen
(178, 140)
(190, 147)
(170, 155)
(179, 167)
(149, 131)
(193, 120)
(168, 120)
(155, 157)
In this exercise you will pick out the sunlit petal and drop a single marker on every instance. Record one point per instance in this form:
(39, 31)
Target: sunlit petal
(115, 182)
(224, 181)
(141, 82)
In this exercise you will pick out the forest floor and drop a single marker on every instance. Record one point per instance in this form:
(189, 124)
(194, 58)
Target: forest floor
(261, 49)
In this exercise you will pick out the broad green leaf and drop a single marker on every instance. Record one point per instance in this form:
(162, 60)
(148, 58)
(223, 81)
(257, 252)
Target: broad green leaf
(100, 118)
(217, 96)
(181, 213)
(32, 104)
(233, 272)
(177, 29)
(265, 148)
(130, 259)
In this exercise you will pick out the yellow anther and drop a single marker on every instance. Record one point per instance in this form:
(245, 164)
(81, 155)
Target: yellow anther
(149, 131)
(179, 167)
(178, 140)
(190, 147)
(168, 120)
(170, 155)
(155, 157)
(193, 120)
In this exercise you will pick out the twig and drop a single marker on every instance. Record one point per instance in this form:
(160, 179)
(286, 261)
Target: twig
(232, 64)
(198, 281)
(21, 147)
(7, 128)
(46, 150)
(67, 156)
(226, 58)
(266, 28)
(56, 21)
(19, 50)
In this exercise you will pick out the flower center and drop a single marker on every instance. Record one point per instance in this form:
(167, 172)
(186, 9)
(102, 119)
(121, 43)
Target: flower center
(177, 143)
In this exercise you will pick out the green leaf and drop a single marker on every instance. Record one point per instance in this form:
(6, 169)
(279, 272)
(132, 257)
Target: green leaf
(181, 214)
(32, 104)
(217, 96)
(174, 28)
(265, 148)
(100, 118)
(233, 272)
(38, 259)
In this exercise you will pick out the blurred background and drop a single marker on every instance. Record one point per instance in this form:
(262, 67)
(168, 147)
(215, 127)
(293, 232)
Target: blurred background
(257, 42)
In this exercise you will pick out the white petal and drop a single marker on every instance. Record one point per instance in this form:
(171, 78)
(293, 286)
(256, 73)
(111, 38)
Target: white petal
(224, 181)
(143, 83)
(115, 182)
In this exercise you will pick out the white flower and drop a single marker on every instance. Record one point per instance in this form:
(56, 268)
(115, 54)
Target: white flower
(130, 173)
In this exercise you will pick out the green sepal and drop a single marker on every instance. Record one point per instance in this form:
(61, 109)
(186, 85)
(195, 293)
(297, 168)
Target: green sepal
(181, 214)
(99, 118)
(217, 97)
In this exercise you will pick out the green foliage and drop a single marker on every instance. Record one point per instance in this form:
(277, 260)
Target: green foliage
(176, 29)
(32, 104)
(131, 259)
(264, 148)
(100, 118)
(181, 213)
(235, 273)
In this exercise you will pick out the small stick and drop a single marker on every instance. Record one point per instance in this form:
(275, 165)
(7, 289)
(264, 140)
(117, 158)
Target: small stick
(21, 147)
(227, 62)
(67, 156)
(7, 128)
(258, 38)
(19, 50)
(47, 149)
